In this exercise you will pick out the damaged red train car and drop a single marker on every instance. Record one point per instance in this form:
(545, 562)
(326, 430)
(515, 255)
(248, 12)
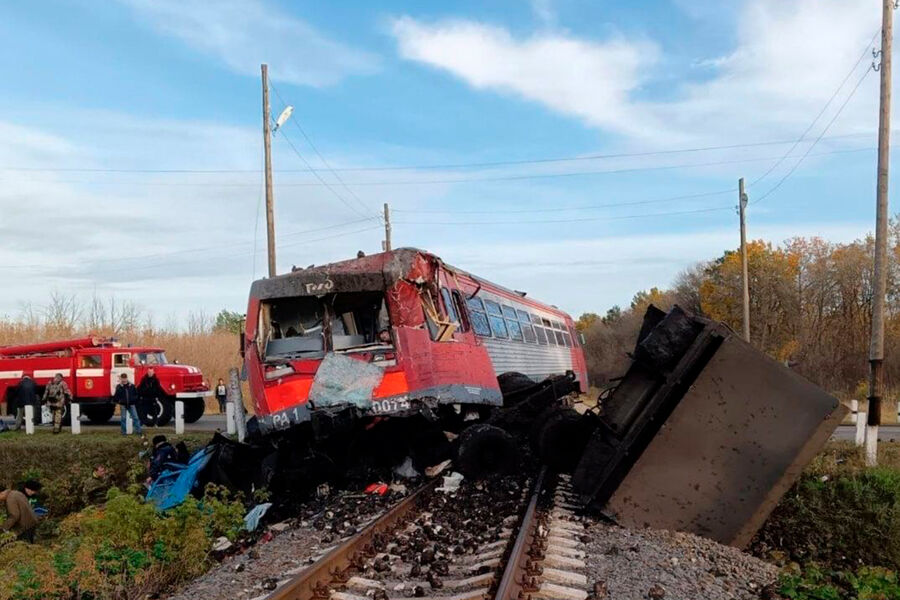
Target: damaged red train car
(395, 334)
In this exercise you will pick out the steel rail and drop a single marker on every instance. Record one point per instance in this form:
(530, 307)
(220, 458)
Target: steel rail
(515, 583)
(312, 583)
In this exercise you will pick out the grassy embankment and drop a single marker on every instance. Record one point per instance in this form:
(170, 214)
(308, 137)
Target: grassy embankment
(100, 540)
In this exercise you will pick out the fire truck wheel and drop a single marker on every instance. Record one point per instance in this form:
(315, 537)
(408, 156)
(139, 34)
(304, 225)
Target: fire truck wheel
(193, 409)
(99, 414)
(158, 413)
(485, 450)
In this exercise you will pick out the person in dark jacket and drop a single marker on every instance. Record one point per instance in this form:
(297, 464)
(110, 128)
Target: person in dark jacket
(126, 397)
(221, 394)
(163, 453)
(150, 391)
(26, 394)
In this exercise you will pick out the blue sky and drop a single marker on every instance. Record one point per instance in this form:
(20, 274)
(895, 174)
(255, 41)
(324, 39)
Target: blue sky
(112, 113)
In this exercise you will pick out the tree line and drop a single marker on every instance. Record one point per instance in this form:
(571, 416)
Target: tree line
(810, 307)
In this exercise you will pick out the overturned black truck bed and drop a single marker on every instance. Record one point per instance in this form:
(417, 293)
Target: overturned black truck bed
(703, 434)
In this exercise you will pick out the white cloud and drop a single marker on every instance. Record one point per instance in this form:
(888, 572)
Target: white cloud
(587, 79)
(788, 59)
(245, 33)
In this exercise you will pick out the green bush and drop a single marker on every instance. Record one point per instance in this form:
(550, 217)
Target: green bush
(122, 549)
(814, 583)
(844, 518)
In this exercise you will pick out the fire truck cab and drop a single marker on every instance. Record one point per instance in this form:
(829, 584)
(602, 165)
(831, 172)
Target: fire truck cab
(92, 366)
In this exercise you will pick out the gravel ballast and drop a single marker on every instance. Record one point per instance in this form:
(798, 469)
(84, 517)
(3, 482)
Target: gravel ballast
(639, 564)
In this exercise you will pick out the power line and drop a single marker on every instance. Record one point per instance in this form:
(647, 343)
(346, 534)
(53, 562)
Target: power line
(567, 208)
(319, 177)
(425, 167)
(452, 180)
(580, 220)
(821, 112)
(309, 141)
(816, 141)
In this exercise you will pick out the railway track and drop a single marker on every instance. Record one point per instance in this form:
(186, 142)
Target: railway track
(504, 540)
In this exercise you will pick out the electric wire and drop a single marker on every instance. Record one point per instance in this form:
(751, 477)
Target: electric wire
(816, 141)
(309, 141)
(821, 112)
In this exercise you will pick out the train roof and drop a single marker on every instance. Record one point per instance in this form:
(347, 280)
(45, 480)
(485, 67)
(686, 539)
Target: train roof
(367, 273)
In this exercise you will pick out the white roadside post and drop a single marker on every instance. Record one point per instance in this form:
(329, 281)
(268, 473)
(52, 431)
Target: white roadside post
(179, 417)
(230, 425)
(236, 397)
(75, 416)
(29, 419)
(859, 421)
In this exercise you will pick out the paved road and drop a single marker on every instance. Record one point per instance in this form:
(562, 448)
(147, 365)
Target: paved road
(207, 423)
(886, 433)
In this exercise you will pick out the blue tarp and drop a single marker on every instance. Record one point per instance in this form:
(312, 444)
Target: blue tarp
(176, 481)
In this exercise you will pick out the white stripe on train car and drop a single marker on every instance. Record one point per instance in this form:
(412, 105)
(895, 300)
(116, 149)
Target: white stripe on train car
(52, 372)
(11, 374)
(89, 372)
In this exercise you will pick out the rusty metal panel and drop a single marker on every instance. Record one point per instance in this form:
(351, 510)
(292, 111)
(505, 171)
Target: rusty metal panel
(734, 443)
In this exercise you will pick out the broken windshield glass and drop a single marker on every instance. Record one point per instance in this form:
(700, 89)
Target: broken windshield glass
(310, 326)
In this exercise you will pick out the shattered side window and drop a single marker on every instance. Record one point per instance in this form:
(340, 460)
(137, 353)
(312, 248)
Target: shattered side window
(541, 336)
(528, 332)
(493, 308)
(524, 317)
(508, 312)
(464, 321)
(449, 307)
(515, 331)
(478, 317)
(498, 326)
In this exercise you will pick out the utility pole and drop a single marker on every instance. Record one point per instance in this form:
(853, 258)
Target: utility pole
(742, 206)
(876, 348)
(387, 228)
(267, 142)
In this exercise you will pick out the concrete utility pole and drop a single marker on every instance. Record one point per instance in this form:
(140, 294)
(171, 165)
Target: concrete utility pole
(387, 228)
(876, 348)
(742, 206)
(267, 142)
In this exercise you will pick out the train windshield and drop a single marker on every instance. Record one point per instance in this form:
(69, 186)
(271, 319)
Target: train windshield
(310, 326)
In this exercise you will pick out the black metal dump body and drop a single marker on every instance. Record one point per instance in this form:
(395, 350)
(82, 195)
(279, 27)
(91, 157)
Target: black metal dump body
(703, 434)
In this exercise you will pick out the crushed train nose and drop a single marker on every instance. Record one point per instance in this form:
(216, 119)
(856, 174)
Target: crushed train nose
(703, 434)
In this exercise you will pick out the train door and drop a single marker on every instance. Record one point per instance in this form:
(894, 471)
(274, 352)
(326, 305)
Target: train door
(121, 363)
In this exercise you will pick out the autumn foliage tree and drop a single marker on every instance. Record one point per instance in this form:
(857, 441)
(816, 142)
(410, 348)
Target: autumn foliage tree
(810, 307)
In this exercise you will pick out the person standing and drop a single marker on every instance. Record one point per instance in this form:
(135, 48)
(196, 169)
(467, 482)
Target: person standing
(126, 397)
(21, 519)
(221, 394)
(57, 395)
(26, 394)
(150, 393)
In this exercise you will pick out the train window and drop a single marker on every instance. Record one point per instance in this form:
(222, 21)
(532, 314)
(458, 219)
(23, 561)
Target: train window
(559, 338)
(460, 308)
(493, 308)
(541, 335)
(528, 332)
(515, 330)
(524, 317)
(479, 318)
(558, 325)
(551, 339)
(546, 323)
(498, 326)
(574, 336)
(568, 339)
(509, 312)
(449, 306)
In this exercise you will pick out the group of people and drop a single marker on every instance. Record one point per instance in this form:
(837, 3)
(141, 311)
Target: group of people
(56, 395)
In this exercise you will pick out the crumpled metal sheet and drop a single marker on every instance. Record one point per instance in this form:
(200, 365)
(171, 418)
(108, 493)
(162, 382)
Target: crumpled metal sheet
(342, 380)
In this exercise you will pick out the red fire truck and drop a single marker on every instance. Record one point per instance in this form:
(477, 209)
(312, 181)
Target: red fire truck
(395, 334)
(91, 367)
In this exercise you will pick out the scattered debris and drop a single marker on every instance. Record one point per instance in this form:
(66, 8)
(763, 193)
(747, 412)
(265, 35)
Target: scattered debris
(451, 483)
(437, 469)
(406, 469)
(251, 520)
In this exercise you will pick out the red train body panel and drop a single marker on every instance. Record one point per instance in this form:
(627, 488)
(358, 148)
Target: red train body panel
(392, 334)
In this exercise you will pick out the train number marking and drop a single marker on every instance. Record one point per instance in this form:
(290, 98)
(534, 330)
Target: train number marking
(391, 405)
(317, 288)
